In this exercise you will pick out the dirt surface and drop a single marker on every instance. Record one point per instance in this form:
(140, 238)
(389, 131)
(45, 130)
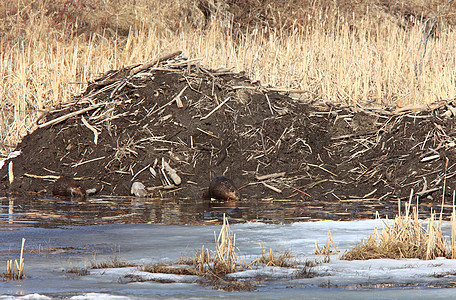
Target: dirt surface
(273, 145)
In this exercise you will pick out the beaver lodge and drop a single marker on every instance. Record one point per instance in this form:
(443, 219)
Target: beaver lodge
(173, 126)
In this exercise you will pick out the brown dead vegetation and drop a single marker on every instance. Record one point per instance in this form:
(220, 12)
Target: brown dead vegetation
(407, 237)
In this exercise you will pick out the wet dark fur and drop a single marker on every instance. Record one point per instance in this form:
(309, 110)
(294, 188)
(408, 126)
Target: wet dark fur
(68, 187)
(223, 188)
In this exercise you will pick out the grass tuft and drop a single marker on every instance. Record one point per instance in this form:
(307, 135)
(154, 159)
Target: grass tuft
(275, 259)
(406, 237)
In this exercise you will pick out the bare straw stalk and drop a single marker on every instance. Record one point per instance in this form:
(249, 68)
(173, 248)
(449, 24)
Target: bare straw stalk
(50, 49)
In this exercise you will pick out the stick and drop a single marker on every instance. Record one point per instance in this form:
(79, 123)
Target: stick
(67, 116)
(88, 161)
(215, 109)
(271, 187)
(317, 166)
(178, 99)
(444, 187)
(41, 176)
(146, 66)
(269, 176)
(269, 103)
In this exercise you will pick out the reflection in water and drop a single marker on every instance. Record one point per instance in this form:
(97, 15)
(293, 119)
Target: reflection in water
(53, 212)
(10, 210)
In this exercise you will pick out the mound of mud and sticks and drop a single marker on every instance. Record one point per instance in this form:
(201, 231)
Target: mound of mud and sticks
(275, 145)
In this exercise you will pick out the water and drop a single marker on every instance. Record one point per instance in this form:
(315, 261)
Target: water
(128, 228)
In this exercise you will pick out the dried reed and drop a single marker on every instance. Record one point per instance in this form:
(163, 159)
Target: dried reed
(406, 237)
(15, 271)
(225, 260)
(275, 259)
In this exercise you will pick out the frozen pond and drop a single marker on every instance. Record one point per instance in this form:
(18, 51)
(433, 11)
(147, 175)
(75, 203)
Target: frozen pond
(49, 252)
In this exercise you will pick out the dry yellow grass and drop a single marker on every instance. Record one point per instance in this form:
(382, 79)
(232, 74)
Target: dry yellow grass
(50, 49)
(406, 237)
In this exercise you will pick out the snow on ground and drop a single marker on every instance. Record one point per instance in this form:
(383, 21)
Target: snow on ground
(144, 244)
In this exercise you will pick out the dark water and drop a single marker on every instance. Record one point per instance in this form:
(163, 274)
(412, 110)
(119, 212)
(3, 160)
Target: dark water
(55, 212)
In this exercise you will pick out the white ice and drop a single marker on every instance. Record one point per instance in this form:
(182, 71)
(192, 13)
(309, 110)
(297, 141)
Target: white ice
(145, 244)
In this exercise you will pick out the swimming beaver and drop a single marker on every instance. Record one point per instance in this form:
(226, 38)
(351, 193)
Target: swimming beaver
(223, 188)
(68, 187)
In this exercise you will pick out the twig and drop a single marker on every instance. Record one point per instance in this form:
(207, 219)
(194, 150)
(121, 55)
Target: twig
(215, 109)
(320, 167)
(269, 176)
(444, 187)
(139, 172)
(297, 190)
(178, 99)
(271, 187)
(146, 66)
(41, 176)
(87, 161)
(95, 132)
(346, 136)
(67, 116)
(269, 103)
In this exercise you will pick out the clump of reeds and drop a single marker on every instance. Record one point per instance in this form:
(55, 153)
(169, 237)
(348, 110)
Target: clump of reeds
(275, 258)
(406, 237)
(326, 249)
(111, 262)
(225, 260)
(15, 270)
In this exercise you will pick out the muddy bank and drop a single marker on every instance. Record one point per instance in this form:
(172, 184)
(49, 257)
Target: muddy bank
(206, 123)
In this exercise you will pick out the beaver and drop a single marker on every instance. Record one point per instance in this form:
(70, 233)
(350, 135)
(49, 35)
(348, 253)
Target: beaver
(68, 187)
(223, 188)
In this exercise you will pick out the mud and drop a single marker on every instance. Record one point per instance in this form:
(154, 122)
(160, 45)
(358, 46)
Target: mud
(275, 146)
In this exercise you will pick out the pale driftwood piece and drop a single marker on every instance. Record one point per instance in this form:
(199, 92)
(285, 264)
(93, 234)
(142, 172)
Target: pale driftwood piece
(67, 116)
(95, 132)
(172, 173)
(269, 176)
(10, 172)
(54, 177)
(146, 66)
(215, 109)
(161, 187)
(238, 87)
(429, 158)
